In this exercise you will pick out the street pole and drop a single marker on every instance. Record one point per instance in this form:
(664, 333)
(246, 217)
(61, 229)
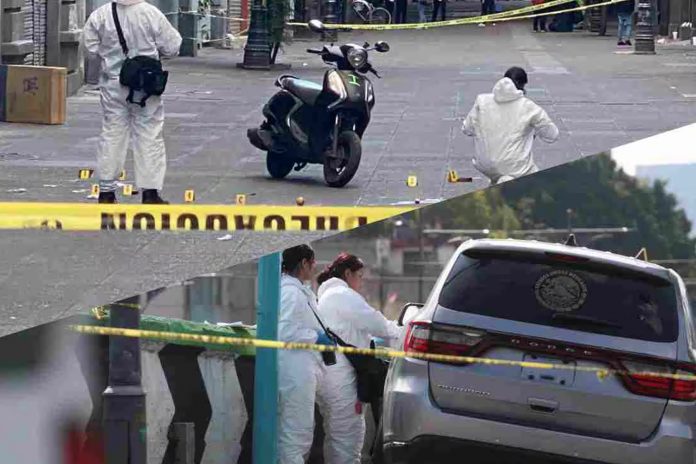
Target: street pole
(330, 35)
(124, 398)
(569, 212)
(266, 369)
(421, 254)
(645, 28)
(257, 52)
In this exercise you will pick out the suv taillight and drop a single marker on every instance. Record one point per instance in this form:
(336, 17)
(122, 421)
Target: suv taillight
(640, 383)
(424, 337)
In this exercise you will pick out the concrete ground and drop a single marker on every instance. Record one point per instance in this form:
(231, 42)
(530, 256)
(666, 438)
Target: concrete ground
(598, 97)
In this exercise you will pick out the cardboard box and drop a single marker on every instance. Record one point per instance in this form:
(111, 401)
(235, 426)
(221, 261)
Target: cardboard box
(33, 94)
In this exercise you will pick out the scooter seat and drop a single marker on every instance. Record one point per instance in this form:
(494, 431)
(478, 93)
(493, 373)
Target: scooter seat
(306, 91)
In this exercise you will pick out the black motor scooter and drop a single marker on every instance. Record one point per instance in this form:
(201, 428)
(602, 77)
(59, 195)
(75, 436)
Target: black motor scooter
(320, 124)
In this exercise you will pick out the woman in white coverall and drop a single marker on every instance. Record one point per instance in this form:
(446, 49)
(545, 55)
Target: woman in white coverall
(504, 124)
(299, 372)
(147, 33)
(348, 315)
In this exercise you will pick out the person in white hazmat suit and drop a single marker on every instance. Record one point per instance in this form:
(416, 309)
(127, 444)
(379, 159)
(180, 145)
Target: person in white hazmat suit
(347, 314)
(505, 124)
(299, 371)
(147, 33)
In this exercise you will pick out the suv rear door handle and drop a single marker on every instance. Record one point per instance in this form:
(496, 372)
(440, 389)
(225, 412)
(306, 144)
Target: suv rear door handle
(540, 405)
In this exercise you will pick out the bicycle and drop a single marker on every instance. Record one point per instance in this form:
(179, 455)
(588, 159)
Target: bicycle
(368, 14)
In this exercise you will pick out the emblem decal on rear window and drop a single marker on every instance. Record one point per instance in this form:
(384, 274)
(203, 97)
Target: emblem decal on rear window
(561, 291)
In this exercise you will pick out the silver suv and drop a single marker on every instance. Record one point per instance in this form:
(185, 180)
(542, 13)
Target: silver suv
(551, 303)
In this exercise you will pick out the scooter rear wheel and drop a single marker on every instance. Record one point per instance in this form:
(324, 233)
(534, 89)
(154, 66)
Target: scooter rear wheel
(278, 165)
(340, 167)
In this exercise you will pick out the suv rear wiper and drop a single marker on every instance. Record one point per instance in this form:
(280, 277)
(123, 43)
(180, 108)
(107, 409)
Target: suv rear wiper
(574, 319)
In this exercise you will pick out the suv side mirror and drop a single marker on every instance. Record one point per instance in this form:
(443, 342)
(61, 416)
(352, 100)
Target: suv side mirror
(382, 47)
(408, 312)
(316, 26)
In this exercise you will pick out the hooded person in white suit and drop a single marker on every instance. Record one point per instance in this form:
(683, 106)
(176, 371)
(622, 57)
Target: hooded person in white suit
(347, 314)
(505, 124)
(147, 33)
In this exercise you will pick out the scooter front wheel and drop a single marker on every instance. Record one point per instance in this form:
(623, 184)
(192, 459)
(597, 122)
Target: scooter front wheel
(278, 165)
(340, 167)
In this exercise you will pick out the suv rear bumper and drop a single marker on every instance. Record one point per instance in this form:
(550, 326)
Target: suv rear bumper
(410, 418)
(433, 449)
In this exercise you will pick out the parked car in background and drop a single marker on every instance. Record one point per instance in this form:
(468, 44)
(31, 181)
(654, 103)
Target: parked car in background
(551, 303)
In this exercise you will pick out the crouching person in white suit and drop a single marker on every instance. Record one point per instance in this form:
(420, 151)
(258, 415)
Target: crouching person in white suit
(505, 124)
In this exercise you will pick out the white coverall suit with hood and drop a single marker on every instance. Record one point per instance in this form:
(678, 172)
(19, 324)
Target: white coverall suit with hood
(299, 372)
(504, 124)
(148, 33)
(349, 316)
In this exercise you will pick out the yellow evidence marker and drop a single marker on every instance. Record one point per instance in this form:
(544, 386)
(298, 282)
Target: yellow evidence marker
(240, 199)
(122, 176)
(128, 189)
(86, 173)
(452, 176)
(412, 181)
(189, 196)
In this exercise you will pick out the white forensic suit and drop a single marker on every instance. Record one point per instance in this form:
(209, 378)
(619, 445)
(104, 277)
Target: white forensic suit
(345, 312)
(504, 124)
(299, 372)
(148, 33)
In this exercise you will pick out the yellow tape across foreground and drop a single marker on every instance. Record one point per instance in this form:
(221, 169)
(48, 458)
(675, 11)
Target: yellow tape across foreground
(258, 343)
(91, 216)
(511, 15)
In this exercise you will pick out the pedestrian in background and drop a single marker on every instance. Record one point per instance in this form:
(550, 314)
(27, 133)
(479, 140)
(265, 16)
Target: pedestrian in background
(439, 6)
(504, 124)
(147, 32)
(299, 371)
(624, 12)
(422, 17)
(401, 11)
(539, 21)
(487, 8)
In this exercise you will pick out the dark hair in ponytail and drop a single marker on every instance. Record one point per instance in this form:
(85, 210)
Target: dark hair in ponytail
(518, 76)
(343, 262)
(293, 257)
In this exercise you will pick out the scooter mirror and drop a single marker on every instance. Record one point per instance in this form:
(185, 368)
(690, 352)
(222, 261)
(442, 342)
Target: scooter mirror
(382, 47)
(316, 26)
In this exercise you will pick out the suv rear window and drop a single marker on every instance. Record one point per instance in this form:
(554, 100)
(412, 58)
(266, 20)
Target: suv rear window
(578, 296)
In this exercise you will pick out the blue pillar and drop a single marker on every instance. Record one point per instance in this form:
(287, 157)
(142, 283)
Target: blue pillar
(265, 446)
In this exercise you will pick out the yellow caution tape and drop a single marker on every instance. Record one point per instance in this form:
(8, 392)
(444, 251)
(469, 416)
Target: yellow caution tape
(92, 216)
(382, 352)
(511, 15)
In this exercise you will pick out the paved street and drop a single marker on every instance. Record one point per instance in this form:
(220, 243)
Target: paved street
(600, 99)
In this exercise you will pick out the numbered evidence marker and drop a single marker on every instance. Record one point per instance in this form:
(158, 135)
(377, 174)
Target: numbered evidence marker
(452, 176)
(240, 199)
(95, 191)
(122, 176)
(128, 189)
(86, 173)
(189, 196)
(412, 181)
